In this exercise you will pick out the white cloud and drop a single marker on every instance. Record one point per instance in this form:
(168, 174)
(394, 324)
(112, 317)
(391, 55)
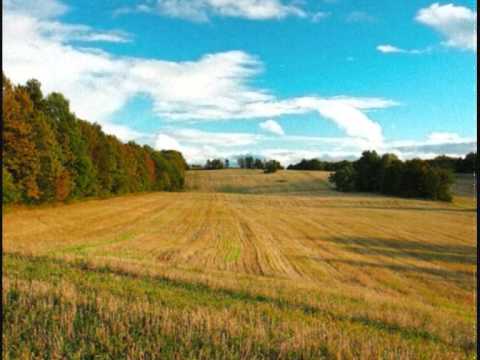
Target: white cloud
(166, 142)
(39, 9)
(457, 24)
(214, 87)
(124, 133)
(198, 137)
(390, 49)
(272, 126)
(444, 137)
(202, 10)
(197, 146)
(42, 14)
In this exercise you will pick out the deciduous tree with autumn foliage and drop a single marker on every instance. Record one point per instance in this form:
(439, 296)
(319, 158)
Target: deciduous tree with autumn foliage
(51, 155)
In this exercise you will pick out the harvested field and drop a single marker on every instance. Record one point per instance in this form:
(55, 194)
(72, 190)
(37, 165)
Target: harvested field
(243, 265)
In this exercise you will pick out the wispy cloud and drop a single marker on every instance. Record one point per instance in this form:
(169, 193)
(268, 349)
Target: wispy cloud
(203, 10)
(272, 126)
(197, 146)
(457, 24)
(391, 49)
(40, 9)
(359, 17)
(214, 87)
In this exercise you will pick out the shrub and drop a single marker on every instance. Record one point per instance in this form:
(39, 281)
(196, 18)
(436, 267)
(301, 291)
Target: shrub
(344, 178)
(272, 166)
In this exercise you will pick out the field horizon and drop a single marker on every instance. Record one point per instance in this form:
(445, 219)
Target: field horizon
(243, 265)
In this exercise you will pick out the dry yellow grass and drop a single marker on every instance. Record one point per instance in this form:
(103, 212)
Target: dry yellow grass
(245, 181)
(378, 269)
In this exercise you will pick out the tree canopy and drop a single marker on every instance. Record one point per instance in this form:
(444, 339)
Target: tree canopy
(51, 155)
(388, 175)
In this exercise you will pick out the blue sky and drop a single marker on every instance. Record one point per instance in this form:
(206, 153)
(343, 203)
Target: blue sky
(277, 78)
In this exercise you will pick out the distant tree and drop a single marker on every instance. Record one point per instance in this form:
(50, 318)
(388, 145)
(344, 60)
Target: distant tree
(227, 163)
(258, 164)
(436, 184)
(214, 164)
(249, 161)
(469, 164)
(316, 164)
(388, 175)
(241, 162)
(272, 166)
(392, 179)
(344, 178)
(367, 168)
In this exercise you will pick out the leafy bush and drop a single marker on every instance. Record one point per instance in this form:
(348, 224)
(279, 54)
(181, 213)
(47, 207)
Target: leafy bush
(344, 178)
(272, 166)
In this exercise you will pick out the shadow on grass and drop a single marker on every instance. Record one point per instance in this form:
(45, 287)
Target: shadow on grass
(408, 249)
(462, 254)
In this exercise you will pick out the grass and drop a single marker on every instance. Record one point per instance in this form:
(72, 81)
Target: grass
(285, 268)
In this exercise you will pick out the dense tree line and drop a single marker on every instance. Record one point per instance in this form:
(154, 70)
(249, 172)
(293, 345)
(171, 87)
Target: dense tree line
(467, 164)
(216, 164)
(388, 175)
(316, 164)
(51, 155)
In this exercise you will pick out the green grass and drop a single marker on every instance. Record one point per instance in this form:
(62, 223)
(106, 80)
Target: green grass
(109, 313)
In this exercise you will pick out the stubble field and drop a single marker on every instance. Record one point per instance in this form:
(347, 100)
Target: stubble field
(242, 265)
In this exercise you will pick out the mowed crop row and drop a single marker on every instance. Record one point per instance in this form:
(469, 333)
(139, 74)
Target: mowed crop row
(314, 275)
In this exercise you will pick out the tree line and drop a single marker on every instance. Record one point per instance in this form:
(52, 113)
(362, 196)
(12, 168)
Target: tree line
(316, 164)
(388, 175)
(467, 164)
(245, 162)
(51, 155)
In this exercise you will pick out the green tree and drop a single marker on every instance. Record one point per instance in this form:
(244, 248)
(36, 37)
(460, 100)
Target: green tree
(10, 193)
(344, 178)
(272, 166)
(20, 155)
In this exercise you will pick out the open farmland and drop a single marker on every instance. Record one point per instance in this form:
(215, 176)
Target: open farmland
(242, 265)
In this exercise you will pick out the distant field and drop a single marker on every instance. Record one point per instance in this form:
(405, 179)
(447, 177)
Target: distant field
(243, 181)
(233, 268)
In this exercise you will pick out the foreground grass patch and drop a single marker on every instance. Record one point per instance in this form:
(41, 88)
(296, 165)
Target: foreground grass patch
(54, 308)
